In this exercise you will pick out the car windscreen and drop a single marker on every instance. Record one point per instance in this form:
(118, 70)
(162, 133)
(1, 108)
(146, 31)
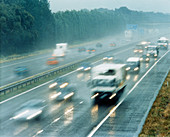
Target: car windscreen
(144, 56)
(139, 47)
(151, 48)
(162, 41)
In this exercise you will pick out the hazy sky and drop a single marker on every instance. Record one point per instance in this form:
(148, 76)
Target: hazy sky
(140, 5)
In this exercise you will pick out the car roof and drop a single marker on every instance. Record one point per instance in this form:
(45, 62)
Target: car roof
(133, 59)
(163, 38)
(32, 102)
(60, 79)
(152, 46)
(21, 68)
(85, 63)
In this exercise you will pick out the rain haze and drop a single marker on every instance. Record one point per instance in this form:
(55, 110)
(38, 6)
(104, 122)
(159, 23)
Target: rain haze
(140, 5)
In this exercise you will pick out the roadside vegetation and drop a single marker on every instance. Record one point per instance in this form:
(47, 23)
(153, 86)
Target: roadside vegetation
(29, 25)
(158, 120)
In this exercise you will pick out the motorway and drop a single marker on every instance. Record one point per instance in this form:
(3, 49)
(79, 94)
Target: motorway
(76, 117)
(37, 64)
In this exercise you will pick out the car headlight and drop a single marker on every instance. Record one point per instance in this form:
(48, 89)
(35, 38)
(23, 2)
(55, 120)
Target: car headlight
(148, 54)
(147, 59)
(141, 59)
(80, 68)
(34, 115)
(63, 85)
(104, 58)
(69, 95)
(128, 68)
(87, 68)
(110, 58)
(135, 69)
(53, 85)
(21, 114)
(55, 95)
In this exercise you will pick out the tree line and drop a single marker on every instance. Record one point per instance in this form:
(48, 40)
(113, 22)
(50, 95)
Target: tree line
(28, 25)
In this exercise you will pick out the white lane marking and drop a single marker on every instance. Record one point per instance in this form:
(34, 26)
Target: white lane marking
(68, 73)
(25, 92)
(114, 54)
(57, 119)
(23, 62)
(39, 132)
(115, 107)
(81, 102)
(68, 111)
(45, 83)
(34, 88)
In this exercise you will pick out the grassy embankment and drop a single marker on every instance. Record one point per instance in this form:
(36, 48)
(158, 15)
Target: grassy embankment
(158, 120)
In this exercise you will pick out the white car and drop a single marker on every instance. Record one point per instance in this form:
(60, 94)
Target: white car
(32, 109)
(133, 64)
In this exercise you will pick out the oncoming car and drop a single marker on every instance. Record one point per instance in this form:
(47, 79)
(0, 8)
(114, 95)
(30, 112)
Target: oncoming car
(108, 58)
(139, 49)
(64, 93)
(57, 83)
(86, 66)
(133, 64)
(144, 58)
(152, 51)
(32, 109)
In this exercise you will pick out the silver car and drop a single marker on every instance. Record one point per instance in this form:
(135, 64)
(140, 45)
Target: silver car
(32, 109)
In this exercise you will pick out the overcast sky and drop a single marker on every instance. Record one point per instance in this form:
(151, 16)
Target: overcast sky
(140, 5)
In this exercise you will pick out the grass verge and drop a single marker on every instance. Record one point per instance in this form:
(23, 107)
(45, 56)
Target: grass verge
(158, 120)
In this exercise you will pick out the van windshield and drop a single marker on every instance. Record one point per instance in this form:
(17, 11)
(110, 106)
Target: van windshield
(131, 63)
(103, 82)
(110, 72)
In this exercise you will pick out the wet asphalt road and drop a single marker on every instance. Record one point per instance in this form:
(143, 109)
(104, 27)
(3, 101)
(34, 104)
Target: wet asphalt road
(37, 64)
(76, 117)
(128, 119)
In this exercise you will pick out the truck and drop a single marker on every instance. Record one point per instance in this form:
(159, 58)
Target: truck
(107, 82)
(163, 43)
(61, 49)
(152, 51)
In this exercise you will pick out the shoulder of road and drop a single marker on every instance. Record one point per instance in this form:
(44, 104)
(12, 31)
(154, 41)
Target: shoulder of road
(158, 120)
(137, 105)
